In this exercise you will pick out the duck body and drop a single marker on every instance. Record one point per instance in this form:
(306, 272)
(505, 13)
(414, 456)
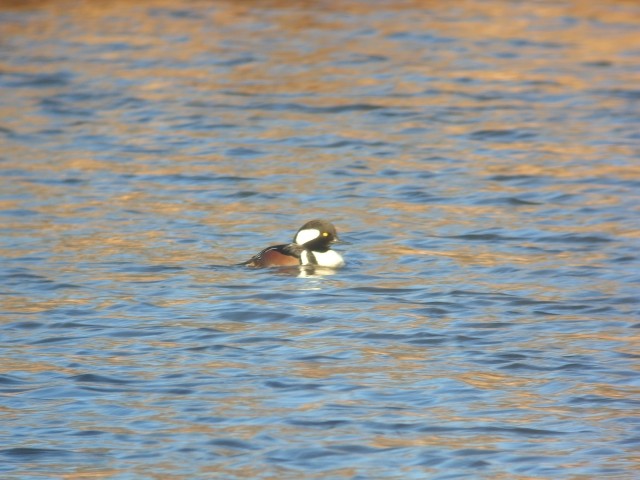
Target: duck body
(287, 255)
(311, 246)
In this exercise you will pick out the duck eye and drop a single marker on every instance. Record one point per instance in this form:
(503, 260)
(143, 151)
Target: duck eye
(325, 234)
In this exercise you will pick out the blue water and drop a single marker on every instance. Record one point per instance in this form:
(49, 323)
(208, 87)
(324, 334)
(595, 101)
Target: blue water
(481, 160)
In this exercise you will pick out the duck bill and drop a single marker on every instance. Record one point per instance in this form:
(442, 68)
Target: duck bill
(339, 241)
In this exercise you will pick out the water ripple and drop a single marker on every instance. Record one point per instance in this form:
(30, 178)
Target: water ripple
(485, 181)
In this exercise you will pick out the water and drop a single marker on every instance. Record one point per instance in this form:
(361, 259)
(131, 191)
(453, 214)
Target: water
(481, 158)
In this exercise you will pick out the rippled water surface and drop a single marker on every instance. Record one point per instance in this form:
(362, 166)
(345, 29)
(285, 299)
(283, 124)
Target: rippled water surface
(481, 159)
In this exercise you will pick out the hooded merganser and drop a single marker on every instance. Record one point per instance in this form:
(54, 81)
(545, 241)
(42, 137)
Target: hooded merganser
(311, 246)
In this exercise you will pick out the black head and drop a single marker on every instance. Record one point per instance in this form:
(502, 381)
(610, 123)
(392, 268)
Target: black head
(316, 235)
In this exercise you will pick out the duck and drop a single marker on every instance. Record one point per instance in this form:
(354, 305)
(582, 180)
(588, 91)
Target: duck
(311, 246)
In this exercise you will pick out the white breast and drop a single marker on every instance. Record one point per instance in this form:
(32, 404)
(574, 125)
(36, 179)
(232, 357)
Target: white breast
(330, 259)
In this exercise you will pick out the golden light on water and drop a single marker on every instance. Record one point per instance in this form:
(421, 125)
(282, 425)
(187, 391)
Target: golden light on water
(479, 157)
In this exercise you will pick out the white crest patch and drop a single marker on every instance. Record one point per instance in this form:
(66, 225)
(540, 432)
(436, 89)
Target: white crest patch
(307, 235)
